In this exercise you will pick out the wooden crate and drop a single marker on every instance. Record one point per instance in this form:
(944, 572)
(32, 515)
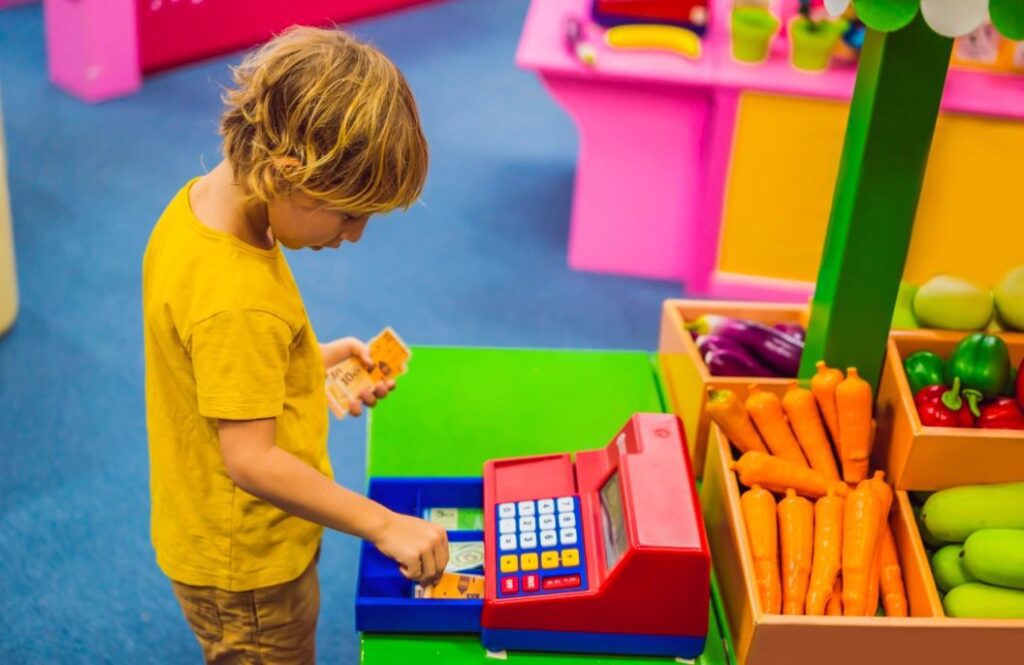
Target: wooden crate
(687, 377)
(930, 458)
(926, 636)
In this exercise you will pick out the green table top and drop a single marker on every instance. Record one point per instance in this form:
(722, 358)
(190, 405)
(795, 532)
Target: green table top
(458, 407)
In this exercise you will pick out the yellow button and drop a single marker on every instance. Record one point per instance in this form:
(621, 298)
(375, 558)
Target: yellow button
(509, 563)
(571, 557)
(549, 559)
(529, 561)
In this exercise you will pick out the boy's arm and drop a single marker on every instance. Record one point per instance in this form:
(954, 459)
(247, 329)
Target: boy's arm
(262, 469)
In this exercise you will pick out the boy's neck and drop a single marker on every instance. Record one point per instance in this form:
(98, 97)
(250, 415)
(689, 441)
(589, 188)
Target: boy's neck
(220, 203)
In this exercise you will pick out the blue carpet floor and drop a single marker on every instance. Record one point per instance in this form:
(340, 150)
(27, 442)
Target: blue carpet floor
(482, 262)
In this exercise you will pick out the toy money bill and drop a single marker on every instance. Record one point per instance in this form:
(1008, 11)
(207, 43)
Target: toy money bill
(456, 519)
(453, 586)
(465, 556)
(350, 378)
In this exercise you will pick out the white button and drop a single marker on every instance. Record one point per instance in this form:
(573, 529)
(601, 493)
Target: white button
(507, 510)
(526, 508)
(566, 504)
(549, 539)
(507, 542)
(527, 523)
(568, 536)
(546, 506)
(547, 521)
(565, 520)
(528, 540)
(507, 525)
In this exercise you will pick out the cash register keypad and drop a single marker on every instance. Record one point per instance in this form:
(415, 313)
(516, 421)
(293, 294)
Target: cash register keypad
(539, 547)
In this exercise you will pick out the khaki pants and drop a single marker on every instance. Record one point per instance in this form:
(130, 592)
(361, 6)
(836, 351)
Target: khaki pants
(274, 625)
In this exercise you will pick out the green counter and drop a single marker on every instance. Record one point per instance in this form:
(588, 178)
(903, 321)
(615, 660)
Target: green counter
(458, 407)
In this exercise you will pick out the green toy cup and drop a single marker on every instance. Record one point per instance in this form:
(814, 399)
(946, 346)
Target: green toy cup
(812, 44)
(752, 32)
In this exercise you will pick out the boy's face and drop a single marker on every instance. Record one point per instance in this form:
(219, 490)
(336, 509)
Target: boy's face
(301, 221)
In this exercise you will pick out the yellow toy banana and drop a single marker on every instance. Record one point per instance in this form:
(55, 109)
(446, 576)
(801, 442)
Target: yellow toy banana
(655, 37)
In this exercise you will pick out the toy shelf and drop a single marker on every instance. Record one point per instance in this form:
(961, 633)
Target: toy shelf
(542, 48)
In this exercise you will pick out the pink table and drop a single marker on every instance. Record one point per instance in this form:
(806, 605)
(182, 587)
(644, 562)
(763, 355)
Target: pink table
(656, 135)
(100, 49)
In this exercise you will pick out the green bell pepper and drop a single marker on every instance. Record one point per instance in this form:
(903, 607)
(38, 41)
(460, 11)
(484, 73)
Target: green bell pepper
(982, 363)
(924, 369)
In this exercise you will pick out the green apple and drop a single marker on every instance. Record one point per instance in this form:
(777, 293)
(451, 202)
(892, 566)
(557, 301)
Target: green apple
(952, 303)
(1009, 297)
(903, 313)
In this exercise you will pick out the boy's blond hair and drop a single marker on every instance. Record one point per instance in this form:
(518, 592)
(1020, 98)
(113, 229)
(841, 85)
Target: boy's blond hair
(318, 112)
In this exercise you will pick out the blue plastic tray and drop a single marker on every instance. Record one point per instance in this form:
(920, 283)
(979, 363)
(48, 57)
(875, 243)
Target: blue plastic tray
(384, 598)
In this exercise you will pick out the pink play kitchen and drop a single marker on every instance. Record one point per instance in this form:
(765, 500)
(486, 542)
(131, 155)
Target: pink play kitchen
(710, 134)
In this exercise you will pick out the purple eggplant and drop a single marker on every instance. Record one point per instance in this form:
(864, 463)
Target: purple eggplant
(734, 362)
(730, 357)
(707, 343)
(772, 347)
(794, 330)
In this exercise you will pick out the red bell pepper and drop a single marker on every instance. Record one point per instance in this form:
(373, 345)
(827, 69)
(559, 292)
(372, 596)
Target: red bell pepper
(1001, 413)
(940, 406)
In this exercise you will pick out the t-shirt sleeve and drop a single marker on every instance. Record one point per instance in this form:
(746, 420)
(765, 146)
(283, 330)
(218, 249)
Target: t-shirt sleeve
(240, 359)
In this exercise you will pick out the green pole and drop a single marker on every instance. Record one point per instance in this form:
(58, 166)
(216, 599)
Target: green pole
(892, 118)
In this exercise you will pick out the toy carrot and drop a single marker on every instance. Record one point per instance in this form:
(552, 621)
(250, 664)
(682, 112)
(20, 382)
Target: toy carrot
(860, 537)
(726, 411)
(823, 386)
(853, 407)
(835, 601)
(796, 533)
(883, 493)
(828, 544)
(894, 596)
(766, 410)
(758, 506)
(776, 474)
(802, 411)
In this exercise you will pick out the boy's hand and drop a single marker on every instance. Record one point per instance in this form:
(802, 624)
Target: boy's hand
(348, 347)
(419, 547)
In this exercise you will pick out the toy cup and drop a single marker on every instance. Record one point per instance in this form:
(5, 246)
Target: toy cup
(752, 31)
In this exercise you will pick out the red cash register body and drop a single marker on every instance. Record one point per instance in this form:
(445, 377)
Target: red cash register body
(645, 565)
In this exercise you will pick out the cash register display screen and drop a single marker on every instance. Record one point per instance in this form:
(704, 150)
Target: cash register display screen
(614, 522)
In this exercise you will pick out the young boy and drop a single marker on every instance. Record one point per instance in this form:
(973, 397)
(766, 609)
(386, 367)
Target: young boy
(320, 132)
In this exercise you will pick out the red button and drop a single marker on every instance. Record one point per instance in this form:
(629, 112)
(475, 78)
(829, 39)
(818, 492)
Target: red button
(509, 584)
(530, 582)
(561, 582)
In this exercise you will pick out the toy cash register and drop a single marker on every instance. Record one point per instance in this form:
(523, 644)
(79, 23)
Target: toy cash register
(605, 555)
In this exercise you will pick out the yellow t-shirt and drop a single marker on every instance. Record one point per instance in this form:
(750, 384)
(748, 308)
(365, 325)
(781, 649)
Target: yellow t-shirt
(227, 337)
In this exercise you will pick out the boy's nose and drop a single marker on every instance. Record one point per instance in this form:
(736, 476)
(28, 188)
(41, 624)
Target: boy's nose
(354, 232)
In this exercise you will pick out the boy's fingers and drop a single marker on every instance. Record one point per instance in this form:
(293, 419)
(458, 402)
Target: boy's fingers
(410, 572)
(441, 555)
(381, 391)
(368, 397)
(355, 409)
(428, 570)
(364, 355)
